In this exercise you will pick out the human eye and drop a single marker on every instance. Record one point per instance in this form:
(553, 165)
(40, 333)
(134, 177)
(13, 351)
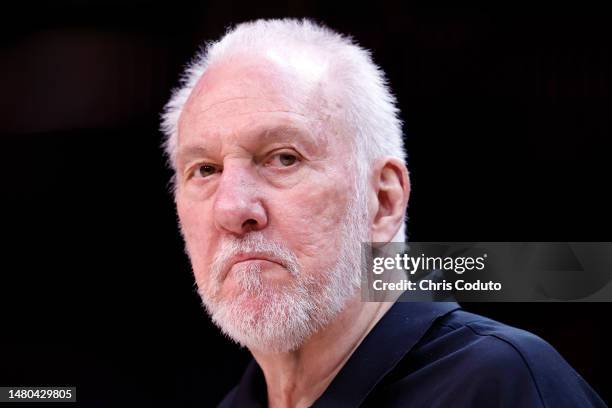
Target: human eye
(282, 159)
(204, 170)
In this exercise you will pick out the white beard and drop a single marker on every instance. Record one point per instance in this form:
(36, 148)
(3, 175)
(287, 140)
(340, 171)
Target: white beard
(284, 318)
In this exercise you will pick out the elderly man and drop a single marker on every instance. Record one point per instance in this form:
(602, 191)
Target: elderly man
(288, 154)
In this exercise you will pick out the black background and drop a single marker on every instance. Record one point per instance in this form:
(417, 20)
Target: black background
(507, 123)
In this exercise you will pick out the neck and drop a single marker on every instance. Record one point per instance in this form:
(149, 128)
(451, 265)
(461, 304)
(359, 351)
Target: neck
(299, 377)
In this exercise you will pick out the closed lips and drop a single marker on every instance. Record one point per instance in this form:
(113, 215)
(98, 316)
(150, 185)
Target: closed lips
(249, 257)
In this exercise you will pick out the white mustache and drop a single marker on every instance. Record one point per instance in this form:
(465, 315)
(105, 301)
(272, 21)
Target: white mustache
(253, 242)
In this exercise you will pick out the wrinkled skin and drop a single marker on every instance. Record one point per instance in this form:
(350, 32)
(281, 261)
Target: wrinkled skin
(253, 155)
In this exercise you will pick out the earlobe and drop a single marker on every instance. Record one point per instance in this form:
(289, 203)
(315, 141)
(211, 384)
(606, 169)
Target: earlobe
(391, 192)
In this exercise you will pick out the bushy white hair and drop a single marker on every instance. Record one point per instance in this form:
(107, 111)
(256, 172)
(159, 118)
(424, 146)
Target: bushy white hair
(367, 108)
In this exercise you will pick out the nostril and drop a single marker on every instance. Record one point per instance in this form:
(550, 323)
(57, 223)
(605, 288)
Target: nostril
(249, 223)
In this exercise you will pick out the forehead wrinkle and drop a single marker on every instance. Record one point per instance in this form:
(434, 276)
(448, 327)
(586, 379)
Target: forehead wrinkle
(304, 126)
(192, 114)
(270, 111)
(213, 105)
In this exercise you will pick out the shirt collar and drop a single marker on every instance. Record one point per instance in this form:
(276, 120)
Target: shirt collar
(397, 332)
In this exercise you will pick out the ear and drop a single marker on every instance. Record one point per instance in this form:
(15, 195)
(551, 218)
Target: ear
(388, 198)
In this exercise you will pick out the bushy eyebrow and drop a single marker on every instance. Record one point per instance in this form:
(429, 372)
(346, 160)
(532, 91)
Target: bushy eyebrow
(286, 132)
(189, 152)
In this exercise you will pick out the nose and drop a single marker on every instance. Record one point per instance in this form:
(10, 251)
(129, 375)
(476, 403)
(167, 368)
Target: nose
(238, 208)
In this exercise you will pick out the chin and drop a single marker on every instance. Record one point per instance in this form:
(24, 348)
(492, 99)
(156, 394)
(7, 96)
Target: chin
(271, 321)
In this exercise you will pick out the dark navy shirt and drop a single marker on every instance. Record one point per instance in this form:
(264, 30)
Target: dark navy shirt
(428, 354)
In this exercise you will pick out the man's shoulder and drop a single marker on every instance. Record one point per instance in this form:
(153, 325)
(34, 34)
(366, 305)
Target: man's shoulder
(477, 361)
(472, 333)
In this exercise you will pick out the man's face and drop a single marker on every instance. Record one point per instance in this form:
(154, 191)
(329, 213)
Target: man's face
(263, 188)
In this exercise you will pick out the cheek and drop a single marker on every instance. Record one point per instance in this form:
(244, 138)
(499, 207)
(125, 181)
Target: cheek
(312, 219)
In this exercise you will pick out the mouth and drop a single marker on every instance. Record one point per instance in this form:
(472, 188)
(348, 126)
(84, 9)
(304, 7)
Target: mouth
(248, 257)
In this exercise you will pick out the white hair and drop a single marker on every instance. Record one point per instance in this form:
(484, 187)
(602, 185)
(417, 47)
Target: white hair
(366, 107)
